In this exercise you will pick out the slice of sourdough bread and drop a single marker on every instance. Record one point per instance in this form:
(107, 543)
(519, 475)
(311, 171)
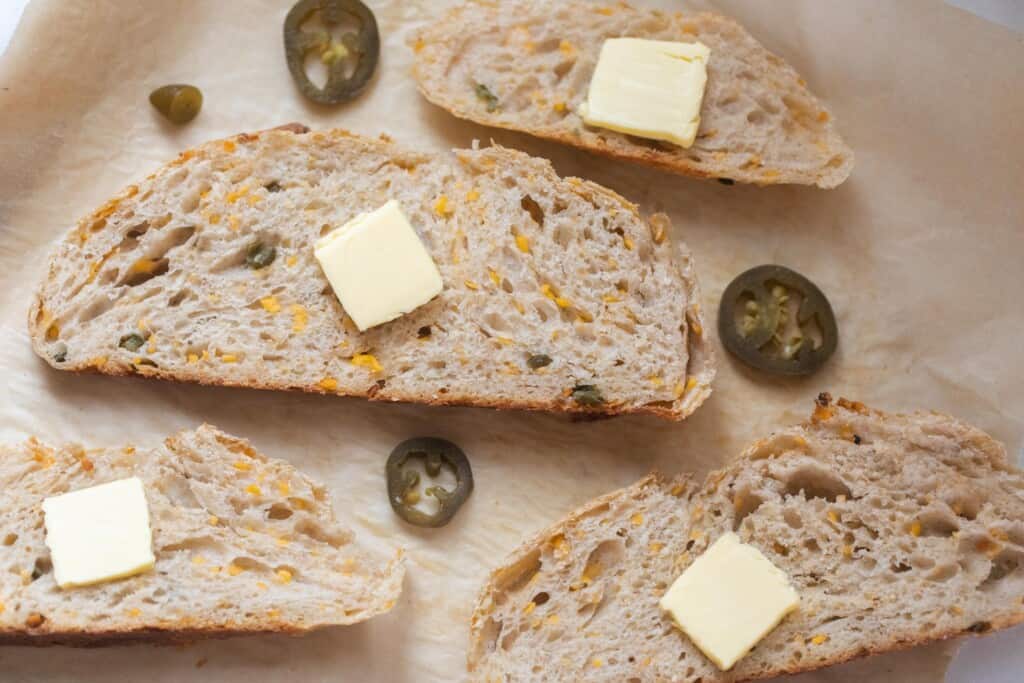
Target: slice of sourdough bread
(243, 544)
(533, 264)
(895, 529)
(759, 122)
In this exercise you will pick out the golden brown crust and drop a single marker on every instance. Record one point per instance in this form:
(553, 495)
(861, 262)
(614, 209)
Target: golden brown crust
(170, 635)
(450, 399)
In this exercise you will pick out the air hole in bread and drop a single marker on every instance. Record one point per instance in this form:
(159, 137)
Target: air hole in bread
(921, 561)
(531, 206)
(164, 241)
(190, 202)
(939, 523)
(131, 237)
(250, 564)
(313, 530)
(108, 276)
(507, 285)
(199, 545)
(730, 99)
(745, 502)
(607, 598)
(509, 639)
(979, 627)
(792, 518)
(899, 567)
(943, 573)
(41, 567)
(146, 295)
(563, 234)
(544, 309)
(497, 322)
(144, 270)
(233, 259)
(585, 331)
(100, 305)
(812, 545)
(489, 634)
(279, 511)
(1015, 534)
(324, 229)
(605, 557)
(814, 481)
(756, 117)
(966, 507)
(770, 104)
(10, 539)
(178, 489)
(1003, 566)
(625, 325)
(540, 598)
(175, 178)
(515, 576)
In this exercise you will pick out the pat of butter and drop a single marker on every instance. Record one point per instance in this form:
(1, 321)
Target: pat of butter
(648, 88)
(730, 598)
(378, 267)
(99, 533)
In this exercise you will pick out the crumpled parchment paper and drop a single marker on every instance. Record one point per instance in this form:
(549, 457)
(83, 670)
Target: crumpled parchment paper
(921, 253)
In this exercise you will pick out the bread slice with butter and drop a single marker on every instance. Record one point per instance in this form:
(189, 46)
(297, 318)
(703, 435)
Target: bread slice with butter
(557, 294)
(895, 530)
(527, 65)
(242, 544)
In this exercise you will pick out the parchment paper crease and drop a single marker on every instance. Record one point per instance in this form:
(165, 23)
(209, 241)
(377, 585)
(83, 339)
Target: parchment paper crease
(921, 253)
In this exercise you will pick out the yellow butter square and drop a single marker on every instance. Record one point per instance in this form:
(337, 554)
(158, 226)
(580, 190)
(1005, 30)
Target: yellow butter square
(649, 88)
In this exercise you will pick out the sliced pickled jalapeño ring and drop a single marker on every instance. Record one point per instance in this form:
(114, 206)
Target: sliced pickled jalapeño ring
(753, 316)
(403, 482)
(361, 47)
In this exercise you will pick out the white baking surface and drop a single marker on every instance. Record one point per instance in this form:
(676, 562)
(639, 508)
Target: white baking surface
(998, 658)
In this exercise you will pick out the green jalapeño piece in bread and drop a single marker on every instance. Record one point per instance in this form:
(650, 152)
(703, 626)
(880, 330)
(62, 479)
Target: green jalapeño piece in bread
(199, 537)
(688, 93)
(332, 263)
(856, 533)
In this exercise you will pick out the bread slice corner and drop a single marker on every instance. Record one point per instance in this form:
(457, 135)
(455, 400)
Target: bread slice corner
(759, 122)
(243, 544)
(155, 282)
(896, 530)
